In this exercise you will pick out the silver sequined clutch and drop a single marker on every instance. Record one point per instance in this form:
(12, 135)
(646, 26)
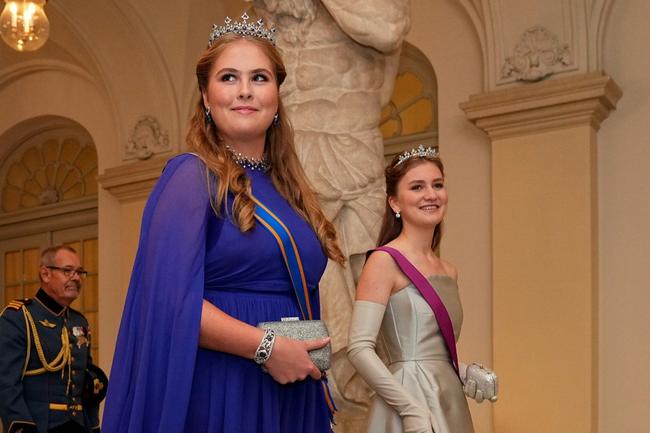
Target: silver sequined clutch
(305, 330)
(481, 382)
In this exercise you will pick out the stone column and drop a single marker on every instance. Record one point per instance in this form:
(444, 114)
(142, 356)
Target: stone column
(126, 187)
(545, 249)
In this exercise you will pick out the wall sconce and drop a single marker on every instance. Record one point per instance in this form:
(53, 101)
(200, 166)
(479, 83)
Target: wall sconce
(24, 25)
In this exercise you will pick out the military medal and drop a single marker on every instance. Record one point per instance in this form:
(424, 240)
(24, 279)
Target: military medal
(81, 333)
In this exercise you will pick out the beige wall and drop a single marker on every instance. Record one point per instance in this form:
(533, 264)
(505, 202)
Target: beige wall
(624, 183)
(545, 284)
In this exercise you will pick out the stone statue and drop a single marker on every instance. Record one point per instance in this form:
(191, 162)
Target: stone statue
(342, 58)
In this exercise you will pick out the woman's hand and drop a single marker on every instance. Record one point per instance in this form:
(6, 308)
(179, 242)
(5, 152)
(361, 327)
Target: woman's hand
(290, 361)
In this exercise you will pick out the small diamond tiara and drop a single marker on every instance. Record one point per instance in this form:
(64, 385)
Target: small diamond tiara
(420, 151)
(243, 28)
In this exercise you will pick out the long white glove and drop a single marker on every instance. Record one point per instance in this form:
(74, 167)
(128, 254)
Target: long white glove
(366, 320)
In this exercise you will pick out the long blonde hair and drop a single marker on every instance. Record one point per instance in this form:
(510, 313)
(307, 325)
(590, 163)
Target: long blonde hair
(286, 173)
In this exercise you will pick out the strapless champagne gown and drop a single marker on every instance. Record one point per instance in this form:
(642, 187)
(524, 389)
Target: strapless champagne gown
(419, 360)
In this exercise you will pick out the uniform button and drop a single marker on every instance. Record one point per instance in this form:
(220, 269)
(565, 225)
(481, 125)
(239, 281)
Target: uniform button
(74, 413)
(74, 372)
(73, 386)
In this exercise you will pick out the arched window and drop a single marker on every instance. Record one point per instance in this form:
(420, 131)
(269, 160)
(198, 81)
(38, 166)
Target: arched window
(55, 167)
(411, 116)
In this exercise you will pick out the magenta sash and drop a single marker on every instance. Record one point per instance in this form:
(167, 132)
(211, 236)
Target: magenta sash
(432, 298)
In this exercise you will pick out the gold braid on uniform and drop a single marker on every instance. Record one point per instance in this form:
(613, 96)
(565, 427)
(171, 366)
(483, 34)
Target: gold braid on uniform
(63, 359)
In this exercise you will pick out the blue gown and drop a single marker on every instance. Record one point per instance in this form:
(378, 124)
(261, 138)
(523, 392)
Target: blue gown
(161, 381)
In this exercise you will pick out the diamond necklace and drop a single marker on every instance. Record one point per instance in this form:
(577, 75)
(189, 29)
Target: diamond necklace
(261, 164)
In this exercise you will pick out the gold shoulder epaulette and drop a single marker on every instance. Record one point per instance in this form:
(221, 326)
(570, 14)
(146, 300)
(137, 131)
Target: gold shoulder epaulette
(16, 304)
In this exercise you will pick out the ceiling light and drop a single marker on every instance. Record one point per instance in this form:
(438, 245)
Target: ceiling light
(24, 25)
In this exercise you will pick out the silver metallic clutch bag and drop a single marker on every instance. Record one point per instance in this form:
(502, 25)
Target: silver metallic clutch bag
(481, 383)
(304, 330)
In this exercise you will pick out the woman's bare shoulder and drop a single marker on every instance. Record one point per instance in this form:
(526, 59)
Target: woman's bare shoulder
(377, 278)
(450, 269)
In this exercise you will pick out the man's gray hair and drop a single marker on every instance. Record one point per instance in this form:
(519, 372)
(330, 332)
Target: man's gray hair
(49, 254)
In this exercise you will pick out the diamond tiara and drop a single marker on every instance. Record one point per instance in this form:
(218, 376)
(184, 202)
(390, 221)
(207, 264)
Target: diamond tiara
(420, 151)
(243, 28)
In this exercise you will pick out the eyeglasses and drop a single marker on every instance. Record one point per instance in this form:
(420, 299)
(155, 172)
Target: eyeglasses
(69, 272)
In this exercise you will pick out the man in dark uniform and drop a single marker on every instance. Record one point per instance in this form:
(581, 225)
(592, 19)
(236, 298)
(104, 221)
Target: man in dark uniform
(47, 381)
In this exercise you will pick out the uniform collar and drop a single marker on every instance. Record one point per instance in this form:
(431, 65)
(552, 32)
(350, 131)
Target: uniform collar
(49, 302)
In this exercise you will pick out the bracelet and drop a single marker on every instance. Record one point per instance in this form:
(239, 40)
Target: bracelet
(263, 352)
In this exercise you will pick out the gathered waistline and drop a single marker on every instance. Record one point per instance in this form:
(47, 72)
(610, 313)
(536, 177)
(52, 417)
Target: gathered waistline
(271, 291)
(438, 359)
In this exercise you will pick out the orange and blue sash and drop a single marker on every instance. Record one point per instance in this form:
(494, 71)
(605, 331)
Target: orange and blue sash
(290, 254)
(292, 260)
